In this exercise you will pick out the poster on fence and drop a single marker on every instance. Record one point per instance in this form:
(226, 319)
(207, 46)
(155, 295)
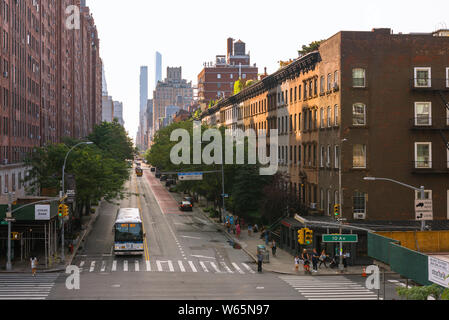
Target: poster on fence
(439, 271)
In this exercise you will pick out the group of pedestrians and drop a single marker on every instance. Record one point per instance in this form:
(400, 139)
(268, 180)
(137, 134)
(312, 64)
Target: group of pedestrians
(234, 224)
(318, 260)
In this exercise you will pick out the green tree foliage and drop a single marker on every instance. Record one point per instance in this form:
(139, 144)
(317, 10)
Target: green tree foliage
(242, 182)
(313, 46)
(100, 170)
(238, 86)
(422, 293)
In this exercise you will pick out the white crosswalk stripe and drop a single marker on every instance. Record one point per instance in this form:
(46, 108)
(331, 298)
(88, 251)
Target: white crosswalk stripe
(329, 288)
(25, 286)
(165, 266)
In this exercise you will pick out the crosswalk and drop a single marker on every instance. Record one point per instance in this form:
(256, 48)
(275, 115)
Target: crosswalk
(25, 286)
(329, 288)
(183, 266)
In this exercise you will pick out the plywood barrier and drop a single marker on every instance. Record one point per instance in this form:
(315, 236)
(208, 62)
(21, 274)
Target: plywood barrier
(421, 241)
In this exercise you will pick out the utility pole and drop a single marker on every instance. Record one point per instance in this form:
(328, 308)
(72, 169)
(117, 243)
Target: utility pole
(9, 217)
(340, 263)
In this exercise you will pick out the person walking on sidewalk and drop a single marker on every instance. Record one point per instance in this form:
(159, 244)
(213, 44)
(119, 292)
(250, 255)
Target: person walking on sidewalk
(33, 261)
(315, 259)
(297, 263)
(323, 258)
(273, 248)
(267, 236)
(250, 229)
(306, 258)
(237, 230)
(259, 262)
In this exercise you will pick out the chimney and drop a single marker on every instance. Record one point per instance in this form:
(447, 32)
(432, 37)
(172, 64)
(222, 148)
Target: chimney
(230, 51)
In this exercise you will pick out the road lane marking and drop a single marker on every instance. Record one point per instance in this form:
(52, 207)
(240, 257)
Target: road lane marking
(114, 265)
(237, 268)
(125, 265)
(192, 266)
(204, 257)
(92, 266)
(148, 265)
(248, 268)
(169, 263)
(215, 267)
(147, 254)
(136, 266)
(203, 266)
(181, 266)
(81, 264)
(226, 267)
(189, 237)
(103, 266)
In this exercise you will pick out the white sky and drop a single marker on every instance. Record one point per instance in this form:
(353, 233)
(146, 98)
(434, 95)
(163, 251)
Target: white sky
(188, 33)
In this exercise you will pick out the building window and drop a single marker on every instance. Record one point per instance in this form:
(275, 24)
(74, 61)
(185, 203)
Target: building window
(329, 117)
(359, 156)
(336, 157)
(358, 78)
(329, 82)
(322, 118)
(322, 157)
(337, 199)
(328, 162)
(244, 76)
(232, 76)
(329, 203)
(336, 115)
(427, 195)
(423, 113)
(336, 79)
(322, 199)
(322, 84)
(359, 114)
(447, 77)
(218, 76)
(423, 77)
(423, 155)
(359, 202)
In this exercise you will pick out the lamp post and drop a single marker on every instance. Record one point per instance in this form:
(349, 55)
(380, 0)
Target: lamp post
(420, 189)
(63, 193)
(340, 263)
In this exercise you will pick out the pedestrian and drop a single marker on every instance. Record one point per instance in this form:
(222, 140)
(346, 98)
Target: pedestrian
(315, 259)
(250, 229)
(346, 257)
(323, 258)
(228, 226)
(33, 261)
(305, 257)
(273, 248)
(297, 263)
(238, 231)
(267, 236)
(259, 261)
(256, 228)
(242, 223)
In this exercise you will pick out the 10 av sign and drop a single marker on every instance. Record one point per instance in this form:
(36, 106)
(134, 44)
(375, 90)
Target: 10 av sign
(340, 238)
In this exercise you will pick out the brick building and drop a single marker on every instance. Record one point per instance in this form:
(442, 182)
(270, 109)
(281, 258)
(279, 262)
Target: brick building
(50, 83)
(216, 80)
(377, 103)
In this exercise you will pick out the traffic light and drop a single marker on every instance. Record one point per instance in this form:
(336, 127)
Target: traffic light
(301, 236)
(337, 210)
(308, 236)
(65, 210)
(15, 236)
(61, 210)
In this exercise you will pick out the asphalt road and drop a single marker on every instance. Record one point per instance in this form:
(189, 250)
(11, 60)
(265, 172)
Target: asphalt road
(186, 258)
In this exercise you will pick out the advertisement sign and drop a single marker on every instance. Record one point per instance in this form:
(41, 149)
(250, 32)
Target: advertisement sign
(439, 272)
(42, 212)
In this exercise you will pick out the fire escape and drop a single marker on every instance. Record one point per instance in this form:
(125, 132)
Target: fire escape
(446, 104)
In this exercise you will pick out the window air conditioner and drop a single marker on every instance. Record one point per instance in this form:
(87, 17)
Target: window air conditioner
(359, 216)
(313, 206)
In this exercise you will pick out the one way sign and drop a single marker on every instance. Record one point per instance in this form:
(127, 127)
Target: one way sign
(423, 210)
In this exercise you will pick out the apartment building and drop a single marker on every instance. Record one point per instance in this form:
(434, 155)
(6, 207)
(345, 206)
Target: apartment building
(374, 102)
(48, 83)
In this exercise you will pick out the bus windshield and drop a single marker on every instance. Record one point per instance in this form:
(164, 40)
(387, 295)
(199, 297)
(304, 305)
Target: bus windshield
(128, 232)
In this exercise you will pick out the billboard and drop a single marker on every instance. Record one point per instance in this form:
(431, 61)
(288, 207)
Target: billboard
(439, 271)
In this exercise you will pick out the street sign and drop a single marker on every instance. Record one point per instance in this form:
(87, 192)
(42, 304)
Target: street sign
(225, 195)
(10, 220)
(71, 195)
(340, 238)
(42, 212)
(3, 223)
(424, 209)
(190, 176)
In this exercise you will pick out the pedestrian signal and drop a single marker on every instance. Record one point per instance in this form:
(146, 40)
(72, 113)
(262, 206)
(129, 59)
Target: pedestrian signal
(308, 236)
(301, 236)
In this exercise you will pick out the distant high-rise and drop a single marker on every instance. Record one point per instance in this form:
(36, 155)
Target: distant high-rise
(158, 68)
(105, 85)
(143, 107)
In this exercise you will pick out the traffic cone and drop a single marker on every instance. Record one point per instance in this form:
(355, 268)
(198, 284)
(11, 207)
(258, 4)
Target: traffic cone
(364, 272)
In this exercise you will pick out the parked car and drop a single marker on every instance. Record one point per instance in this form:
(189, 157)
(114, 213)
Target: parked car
(163, 178)
(153, 169)
(189, 199)
(185, 206)
(158, 175)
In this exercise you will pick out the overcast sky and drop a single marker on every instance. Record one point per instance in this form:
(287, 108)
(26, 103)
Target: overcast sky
(189, 33)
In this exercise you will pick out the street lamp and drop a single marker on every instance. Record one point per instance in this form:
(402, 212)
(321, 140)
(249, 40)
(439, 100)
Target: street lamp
(63, 193)
(420, 189)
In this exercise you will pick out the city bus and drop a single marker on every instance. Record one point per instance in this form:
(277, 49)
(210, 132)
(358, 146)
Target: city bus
(129, 236)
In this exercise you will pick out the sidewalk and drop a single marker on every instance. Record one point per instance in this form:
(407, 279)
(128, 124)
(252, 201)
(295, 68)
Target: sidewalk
(25, 267)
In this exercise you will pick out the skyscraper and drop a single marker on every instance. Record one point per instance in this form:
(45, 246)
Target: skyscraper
(143, 107)
(158, 68)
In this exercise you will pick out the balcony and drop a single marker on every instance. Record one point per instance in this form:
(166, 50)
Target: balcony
(425, 122)
(422, 84)
(430, 167)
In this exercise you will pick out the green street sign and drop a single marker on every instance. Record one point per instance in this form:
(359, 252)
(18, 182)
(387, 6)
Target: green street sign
(3, 223)
(340, 238)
